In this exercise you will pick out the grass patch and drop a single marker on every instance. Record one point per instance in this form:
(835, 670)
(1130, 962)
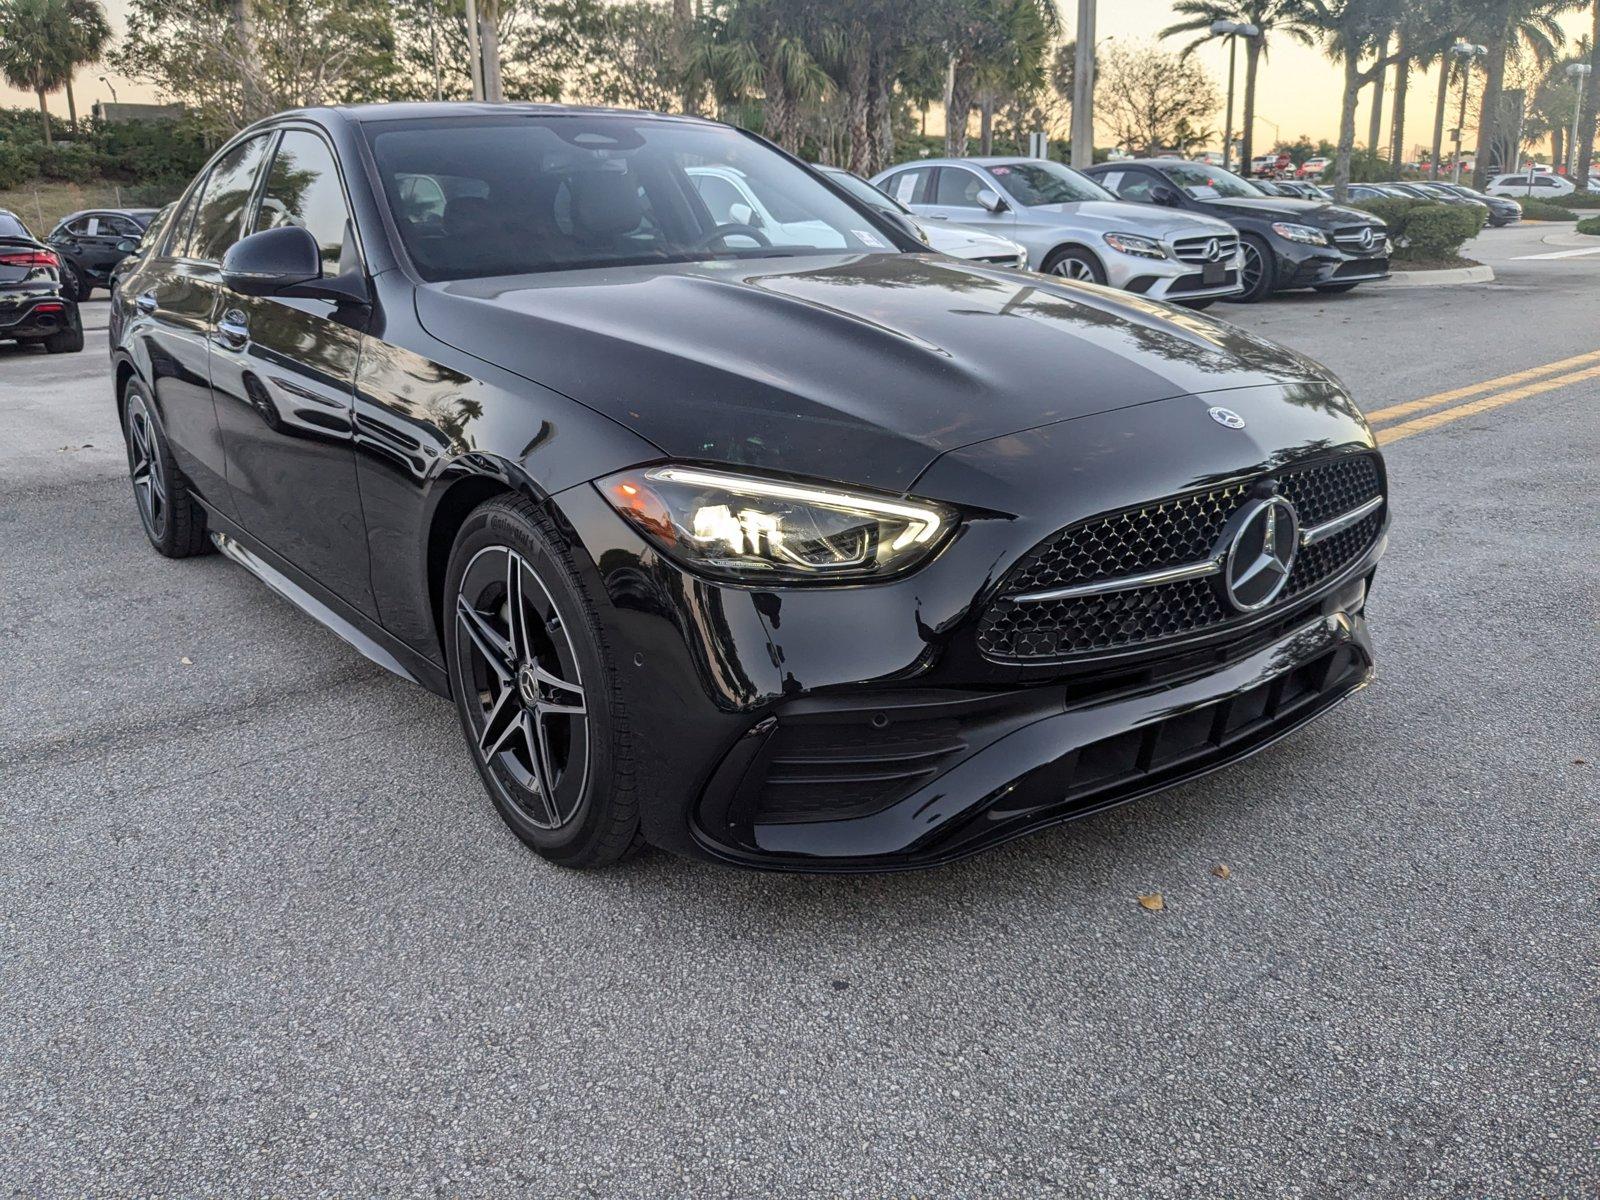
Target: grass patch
(43, 202)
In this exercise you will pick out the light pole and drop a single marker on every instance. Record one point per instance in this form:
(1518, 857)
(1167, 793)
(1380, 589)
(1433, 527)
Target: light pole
(1083, 88)
(1578, 73)
(1467, 53)
(113, 90)
(1233, 31)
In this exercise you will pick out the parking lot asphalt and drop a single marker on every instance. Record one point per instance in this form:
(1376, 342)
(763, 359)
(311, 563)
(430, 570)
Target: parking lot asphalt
(264, 935)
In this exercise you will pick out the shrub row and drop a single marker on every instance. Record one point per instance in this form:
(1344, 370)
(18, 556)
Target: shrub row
(1545, 210)
(1589, 199)
(1589, 225)
(1425, 231)
(149, 153)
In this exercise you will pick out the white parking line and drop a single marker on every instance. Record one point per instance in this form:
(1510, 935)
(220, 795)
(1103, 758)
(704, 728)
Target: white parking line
(1559, 254)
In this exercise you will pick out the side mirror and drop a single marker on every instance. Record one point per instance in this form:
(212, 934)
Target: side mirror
(904, 223)
(991, 200)
(742, 214)
(127, 246)
(1163, 195)
(272, 261)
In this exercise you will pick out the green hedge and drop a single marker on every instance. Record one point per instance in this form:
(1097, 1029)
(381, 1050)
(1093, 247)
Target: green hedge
(163, 154)
(19, 162)
(1544, 210)
(70, 162)
(1425, 231)
(1589, 225)
(1581, 200)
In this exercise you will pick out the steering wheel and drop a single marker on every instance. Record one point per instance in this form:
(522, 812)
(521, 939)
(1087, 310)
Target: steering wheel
(722, 233)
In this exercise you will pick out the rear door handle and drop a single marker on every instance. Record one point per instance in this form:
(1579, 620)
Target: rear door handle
(146, 303)
(233, 329)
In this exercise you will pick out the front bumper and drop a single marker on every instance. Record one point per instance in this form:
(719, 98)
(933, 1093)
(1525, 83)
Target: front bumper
(1314, 266)
(1170, 279)
(862, 728)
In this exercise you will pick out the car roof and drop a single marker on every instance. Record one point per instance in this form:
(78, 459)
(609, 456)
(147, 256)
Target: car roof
(109, 212)
(456, 109)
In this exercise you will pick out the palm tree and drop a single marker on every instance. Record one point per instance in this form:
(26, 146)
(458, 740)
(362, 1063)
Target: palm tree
(988, 40)
(90, 34)
(1511, 28)
(1269, 16)
(34, 40)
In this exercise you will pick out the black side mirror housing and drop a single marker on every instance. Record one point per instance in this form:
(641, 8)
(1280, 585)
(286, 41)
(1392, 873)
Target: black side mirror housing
(127, 246)
(272, 261)
(1163, 195)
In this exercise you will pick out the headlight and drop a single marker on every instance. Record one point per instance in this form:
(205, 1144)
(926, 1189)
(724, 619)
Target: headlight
(1300, 233)
(1132, 243)
(749, 529)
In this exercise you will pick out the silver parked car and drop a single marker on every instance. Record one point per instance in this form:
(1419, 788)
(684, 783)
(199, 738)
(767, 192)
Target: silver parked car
(955, 240)
(1072, 226)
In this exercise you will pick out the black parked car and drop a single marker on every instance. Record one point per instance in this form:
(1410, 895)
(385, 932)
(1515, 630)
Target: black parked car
(1286, 243)
(829, 557)
(91, 243)
(33, 306)
(1502, 209)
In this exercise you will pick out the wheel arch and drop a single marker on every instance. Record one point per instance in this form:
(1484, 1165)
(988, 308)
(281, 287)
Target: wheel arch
(1082, 247)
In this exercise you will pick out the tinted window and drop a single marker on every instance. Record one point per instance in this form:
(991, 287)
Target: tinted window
(11, 227)
(78, 227)
(219, 219)
(1039, 182)
(113, 226)
(573, 192)
(911, 187)
(303, 189)
(1201, 182)
(1136, 186)
(865, 192)
(958, 189)
(720, 196)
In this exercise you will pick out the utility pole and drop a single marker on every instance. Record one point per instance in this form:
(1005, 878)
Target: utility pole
(1233, 31)
(474, 50)
(1467, 53)
(1083, 89)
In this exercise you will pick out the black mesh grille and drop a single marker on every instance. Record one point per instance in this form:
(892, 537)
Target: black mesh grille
(1166, 533)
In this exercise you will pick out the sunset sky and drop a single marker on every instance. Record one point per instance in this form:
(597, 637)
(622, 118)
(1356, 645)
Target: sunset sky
(1298, 92)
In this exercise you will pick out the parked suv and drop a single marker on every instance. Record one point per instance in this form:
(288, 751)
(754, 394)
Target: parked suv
(91, 244)
(1072, 226)
(1541, 185)
(1285, 243)
(33, 306)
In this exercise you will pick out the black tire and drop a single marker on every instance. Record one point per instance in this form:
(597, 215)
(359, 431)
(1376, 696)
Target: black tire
(1259, 273)
(65, 341)
(72, 282)
(1071, 263)
(1334, 289)
(1198, 305)
(540, 700)
(173, 520)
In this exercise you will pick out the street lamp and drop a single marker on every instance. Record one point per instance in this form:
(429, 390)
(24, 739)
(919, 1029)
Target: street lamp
(1578, 72)
(1233, 31)
(1466, 52)
(107, 82)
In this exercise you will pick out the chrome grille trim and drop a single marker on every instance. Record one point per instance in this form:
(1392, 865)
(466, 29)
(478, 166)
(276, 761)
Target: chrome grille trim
(1099, 587)
(1192, 249)
(1340, 523)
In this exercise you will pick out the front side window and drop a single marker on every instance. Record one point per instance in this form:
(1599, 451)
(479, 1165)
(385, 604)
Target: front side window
(552, 193)
(303, 189)
(958, 189)
(1200, 182)
(1036, 182)
(219, 219)
(1136, 187)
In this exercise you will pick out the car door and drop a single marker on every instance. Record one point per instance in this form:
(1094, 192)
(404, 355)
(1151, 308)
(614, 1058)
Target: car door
(113, 232)
(174, 306)
(283, 371)
(955, 199)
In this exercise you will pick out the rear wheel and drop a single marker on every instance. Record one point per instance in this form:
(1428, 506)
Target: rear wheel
(1071, 263)
(73, 283)
(173, 520)
(65, 341)
(1257, 272)
(535, 689)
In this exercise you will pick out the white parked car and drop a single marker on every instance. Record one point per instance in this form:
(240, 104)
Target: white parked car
(1541, 185)
(733, 200)
(970, 244)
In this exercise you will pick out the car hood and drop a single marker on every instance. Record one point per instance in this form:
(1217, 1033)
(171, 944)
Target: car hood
(1317, 213)
(1113, 215)
(861, 368)
(961, 242)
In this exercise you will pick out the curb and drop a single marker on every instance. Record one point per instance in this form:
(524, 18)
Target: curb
(1482, 273)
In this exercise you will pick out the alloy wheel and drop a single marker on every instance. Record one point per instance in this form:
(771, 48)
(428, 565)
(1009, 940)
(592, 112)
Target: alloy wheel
(1073, 268)
(144, 468)
(1253, 267)
(526, 704)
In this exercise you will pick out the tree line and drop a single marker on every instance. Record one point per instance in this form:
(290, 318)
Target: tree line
(847, 81)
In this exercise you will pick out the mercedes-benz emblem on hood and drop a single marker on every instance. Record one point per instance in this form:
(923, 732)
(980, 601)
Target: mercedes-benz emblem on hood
(1258, 547)
(1226, 417)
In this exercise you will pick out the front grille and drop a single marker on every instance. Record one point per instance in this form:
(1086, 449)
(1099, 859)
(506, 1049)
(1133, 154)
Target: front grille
(1349, 237)
(1196, 249)
(1167, 533)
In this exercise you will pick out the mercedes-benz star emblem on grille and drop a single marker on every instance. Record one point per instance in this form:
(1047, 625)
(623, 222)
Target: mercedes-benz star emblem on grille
(1366, 238)
(1259, 544)
(1226, 417)
(1213, 250)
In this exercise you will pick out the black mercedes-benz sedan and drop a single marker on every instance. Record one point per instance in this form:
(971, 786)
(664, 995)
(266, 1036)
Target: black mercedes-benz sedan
(829, 555)
(35, 306)
(1286, 243)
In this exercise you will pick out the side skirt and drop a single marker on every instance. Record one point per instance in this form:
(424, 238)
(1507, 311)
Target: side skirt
(328, 610)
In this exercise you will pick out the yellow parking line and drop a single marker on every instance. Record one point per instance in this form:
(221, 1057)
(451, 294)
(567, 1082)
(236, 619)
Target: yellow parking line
(1395, 411)
(1393, 433)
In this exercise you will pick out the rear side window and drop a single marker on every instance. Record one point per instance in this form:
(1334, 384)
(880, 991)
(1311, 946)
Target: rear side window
(219, 219)
(910, 187)
(303, 189)
(11, 227)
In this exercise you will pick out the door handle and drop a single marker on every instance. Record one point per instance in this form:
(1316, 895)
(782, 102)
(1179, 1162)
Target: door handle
(146, 303)
(233, 330)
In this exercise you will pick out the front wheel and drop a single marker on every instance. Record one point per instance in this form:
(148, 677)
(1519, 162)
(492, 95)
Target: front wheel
(1198, 305)
(535, 688)
(1257, 272)
(1070, 263)
(73, 282)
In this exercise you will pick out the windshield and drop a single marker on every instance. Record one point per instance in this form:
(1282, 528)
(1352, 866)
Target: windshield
(1039, 182)
(1201, 182)
(865, 192)
(516, 194)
